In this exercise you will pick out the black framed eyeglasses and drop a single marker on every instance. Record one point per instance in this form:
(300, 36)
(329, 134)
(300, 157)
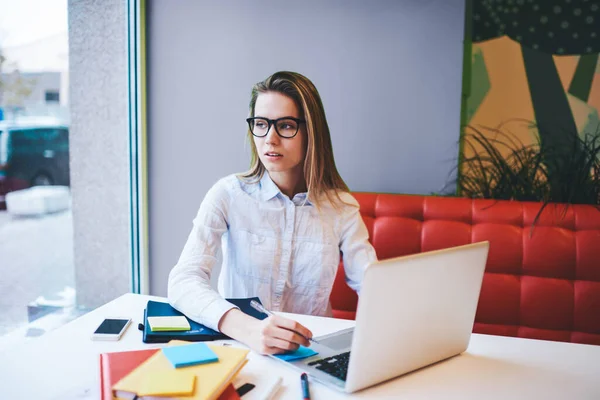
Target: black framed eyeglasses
(286, 127)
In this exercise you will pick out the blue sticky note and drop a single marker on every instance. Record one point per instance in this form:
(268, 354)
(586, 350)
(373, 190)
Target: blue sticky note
(190, 354)
(302, 352)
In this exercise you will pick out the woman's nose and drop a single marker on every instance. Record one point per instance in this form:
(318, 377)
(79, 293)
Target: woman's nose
(272, 136)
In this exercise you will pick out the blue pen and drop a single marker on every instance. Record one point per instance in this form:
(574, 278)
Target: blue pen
(304, 384)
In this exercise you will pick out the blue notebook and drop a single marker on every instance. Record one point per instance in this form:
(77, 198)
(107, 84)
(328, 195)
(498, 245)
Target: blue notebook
(197, 332)
(189, 354)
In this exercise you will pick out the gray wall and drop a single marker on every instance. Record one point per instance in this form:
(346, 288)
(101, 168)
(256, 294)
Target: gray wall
(389, 73)
(99, 149)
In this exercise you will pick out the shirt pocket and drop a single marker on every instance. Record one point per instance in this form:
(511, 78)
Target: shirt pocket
(315, 228)
(315, 265)
(257, 255)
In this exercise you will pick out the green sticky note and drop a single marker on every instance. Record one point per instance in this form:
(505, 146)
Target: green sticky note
(162, 324)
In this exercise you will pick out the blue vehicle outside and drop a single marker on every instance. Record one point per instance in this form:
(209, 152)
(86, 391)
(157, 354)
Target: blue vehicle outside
(33, 152)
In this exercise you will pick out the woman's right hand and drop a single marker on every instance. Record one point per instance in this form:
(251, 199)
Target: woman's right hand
(272, 335)
(277, 334)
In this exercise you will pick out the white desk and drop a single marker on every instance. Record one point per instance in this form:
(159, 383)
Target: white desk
(63, 364)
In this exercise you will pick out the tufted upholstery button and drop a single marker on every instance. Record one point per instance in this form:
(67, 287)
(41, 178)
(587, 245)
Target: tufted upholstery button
(542, 284)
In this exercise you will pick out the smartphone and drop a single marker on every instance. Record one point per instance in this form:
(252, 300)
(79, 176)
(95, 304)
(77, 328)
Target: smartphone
(111, 329)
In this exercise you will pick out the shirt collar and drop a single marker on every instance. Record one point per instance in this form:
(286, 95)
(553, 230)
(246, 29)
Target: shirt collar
(268, 190)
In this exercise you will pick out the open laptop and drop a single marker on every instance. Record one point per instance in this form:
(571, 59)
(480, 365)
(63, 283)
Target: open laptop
(413, 311)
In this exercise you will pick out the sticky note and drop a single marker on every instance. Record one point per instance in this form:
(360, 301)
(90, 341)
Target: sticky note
(189, 354)
(302, 352)
(176, 323)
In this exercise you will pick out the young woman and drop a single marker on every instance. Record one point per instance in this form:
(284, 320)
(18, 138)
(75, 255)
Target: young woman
(281, 225)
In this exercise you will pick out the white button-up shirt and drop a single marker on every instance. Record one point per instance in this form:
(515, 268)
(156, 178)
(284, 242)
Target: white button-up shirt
(284, 251)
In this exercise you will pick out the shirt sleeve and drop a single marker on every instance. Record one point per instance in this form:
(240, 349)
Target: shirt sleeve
(189, 289)
(357, 251)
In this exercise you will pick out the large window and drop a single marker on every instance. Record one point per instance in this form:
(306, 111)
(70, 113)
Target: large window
(69, 187)
(37, 284)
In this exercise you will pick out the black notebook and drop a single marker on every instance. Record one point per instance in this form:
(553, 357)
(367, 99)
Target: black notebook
(198, 332)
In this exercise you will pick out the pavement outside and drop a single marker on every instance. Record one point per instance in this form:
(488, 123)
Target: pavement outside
(36, 260)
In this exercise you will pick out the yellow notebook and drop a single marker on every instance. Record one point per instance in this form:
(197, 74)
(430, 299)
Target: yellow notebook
(211, 379)
(167, 384)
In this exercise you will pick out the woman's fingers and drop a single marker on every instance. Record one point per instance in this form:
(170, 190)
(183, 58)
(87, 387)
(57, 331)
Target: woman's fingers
(279, 345)
(290, 331)
(288, 336)
(292, 325)
(278, 335)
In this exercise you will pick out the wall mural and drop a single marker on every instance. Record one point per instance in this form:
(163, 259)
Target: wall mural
(531, 101)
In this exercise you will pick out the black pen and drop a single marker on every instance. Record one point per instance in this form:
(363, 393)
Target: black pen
(304, 384)
(258, 307)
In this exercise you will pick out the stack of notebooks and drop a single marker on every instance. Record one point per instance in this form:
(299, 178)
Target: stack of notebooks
(182, 370)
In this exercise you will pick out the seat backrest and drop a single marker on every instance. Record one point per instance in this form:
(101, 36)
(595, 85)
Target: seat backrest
(541, 283)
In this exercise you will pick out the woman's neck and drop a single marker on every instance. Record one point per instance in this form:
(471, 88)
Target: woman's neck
(289, 183)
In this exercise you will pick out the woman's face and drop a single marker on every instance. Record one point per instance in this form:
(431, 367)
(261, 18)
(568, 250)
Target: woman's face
(278, 154)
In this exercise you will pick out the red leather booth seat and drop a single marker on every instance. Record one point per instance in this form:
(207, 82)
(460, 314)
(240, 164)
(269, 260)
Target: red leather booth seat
(546, 286)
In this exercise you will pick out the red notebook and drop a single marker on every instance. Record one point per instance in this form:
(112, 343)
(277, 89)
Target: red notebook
(115, 366)
(229, 394)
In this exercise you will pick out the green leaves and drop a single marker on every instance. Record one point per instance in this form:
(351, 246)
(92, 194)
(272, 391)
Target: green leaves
(501, 167)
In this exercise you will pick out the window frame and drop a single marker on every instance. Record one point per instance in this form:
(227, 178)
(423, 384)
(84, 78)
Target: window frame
(138, 146)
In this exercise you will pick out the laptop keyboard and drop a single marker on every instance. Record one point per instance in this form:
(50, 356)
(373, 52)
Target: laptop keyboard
(336, 365)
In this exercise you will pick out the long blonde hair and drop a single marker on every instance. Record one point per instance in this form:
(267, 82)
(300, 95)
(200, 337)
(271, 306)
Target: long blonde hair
(320, 172)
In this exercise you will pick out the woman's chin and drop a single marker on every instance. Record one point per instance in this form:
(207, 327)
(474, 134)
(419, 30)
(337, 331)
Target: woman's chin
(274, 166)
(274, 169)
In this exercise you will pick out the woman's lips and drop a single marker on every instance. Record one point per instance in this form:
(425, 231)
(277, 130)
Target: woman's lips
(273, 156)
